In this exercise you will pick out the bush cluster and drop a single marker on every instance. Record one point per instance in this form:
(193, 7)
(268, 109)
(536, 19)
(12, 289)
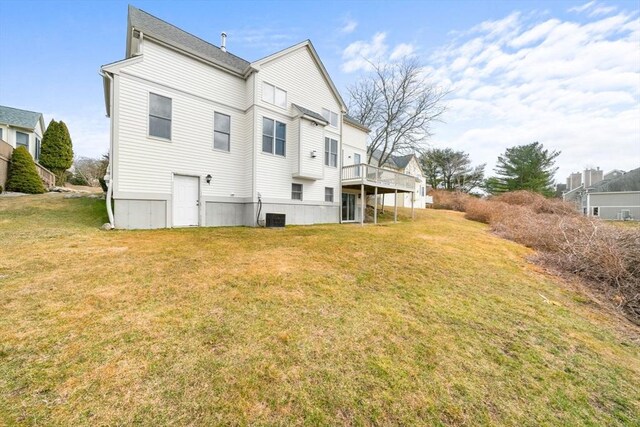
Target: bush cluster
(606, 256)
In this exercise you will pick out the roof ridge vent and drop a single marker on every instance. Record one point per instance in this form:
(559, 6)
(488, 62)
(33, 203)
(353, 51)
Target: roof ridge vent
(223, 41)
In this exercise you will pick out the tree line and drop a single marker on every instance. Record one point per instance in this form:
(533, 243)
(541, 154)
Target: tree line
(399, 103)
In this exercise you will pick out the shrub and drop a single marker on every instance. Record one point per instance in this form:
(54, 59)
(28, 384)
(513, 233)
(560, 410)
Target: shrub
(23, 176)
(77, 179)
(452, 200)
(1, 189)
(608, 257)
(57, 150)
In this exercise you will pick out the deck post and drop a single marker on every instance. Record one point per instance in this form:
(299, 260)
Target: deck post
(375, 205)
(362, 204)
(412, 197)
(395, 207)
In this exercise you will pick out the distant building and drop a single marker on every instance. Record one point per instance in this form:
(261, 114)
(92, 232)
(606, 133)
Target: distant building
(615, 196)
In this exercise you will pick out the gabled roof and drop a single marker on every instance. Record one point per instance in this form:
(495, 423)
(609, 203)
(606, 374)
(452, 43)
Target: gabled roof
(310, 114)
(20, 118)
(630, 181)
(356, 123)
(305, 44)
(403, 161)
(162, 31)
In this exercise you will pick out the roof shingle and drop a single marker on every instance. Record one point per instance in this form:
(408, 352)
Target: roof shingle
(157, 28)
(19, 118)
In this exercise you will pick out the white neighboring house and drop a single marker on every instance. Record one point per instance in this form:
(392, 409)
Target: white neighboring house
(201, 137)
(22, 128)
(408, 165)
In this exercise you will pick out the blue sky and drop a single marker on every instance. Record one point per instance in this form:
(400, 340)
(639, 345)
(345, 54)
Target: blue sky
(565, 73)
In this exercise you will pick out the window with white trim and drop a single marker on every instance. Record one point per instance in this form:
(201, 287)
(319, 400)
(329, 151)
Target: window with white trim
(274, 95)
(274, 137)
(38, 148)
(328, 194)
(1, 133)
(296, 191)
(331, 117)
(159, 116)
(330, 152)
(221, 132)
(22, 140)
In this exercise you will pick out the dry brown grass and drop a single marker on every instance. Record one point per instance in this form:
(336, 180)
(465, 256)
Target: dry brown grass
(431, 322)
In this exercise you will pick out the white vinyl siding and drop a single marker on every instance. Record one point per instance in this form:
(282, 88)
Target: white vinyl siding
(221, 132)
(146, 167)
(328, 194)
(296, 191)
(274, 137)
(330, 152)
(159, 116)
(22, 140)
(274, 95)
(332, 117)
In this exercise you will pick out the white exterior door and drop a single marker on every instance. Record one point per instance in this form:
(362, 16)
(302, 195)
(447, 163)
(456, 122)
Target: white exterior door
(185, 200)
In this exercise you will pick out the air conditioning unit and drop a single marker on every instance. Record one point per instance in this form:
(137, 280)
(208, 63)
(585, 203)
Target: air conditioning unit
(275, 220)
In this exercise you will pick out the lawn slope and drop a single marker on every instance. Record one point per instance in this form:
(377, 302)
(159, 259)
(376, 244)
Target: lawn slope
(434, 322)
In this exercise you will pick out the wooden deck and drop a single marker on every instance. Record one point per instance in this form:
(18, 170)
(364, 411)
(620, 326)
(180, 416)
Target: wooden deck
(385, 180)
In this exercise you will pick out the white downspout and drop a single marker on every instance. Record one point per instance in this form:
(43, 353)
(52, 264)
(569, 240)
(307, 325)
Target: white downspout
(107, 177)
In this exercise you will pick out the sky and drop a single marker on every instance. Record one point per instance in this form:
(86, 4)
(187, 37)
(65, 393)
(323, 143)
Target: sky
(564, 73)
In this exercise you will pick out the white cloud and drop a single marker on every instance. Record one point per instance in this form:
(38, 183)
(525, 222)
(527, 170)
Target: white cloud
(594, 8)
(582, 8)
(403, 50)
(349, 26)
(573, 86)
(359, 54)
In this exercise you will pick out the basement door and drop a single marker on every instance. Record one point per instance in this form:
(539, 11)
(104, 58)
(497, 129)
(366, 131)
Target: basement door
(348, 207)
(186, 203)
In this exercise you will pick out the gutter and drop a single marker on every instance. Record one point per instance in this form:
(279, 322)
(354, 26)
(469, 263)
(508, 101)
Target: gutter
(109, 174)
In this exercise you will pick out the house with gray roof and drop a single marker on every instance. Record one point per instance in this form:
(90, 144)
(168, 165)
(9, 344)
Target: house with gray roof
(616, 197)
(407, 164)
(22, 128)
(202, 137)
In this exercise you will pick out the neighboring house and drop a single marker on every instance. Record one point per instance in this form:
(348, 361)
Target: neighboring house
(615, 198)
(201, 137)
(408, 165)
(22, 128)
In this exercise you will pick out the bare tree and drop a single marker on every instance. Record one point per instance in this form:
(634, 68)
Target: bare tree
(91, 170)
(398, 103)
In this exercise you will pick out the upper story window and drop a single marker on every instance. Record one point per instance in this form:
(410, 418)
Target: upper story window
(330, 152)
(274, 137)
(22, 140)
(331, 117)
(274, 95)
(221, 132)
(159, 116)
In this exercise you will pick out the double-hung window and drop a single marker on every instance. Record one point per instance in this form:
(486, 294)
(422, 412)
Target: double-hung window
(274, 137)
(331, 117)
(330, 152)
(296, 191)
(274, 95)
(159, 116)
(328, 194)
(221, 132)
(22, 140)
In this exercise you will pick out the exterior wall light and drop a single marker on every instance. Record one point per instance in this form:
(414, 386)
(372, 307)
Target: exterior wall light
(313, 154)
(208, 178)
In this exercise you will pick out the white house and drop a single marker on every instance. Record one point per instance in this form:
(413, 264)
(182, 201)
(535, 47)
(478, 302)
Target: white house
(201, 137)
(22, 128)
(408, 165)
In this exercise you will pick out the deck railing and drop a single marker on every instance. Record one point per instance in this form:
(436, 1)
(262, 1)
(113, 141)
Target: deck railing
(372, 175)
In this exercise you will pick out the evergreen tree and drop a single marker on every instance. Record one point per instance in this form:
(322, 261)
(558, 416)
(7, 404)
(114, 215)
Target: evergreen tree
(23, 176)
(57, 150)
(524, 167)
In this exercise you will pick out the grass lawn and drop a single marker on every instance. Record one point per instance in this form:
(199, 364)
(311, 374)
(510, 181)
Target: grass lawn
(433, 322)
